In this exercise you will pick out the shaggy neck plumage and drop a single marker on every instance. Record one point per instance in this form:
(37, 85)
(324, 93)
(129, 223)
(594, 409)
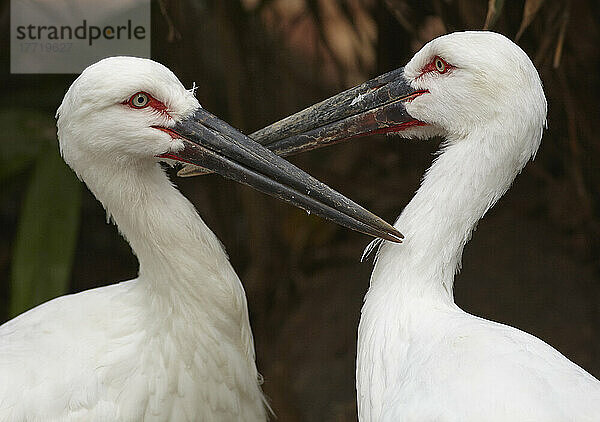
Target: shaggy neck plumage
(182, 263)
(188, 298)
(469, 176)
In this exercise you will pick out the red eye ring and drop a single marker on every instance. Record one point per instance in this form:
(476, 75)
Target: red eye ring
(142, 99)
(440, 65)
(139, 100)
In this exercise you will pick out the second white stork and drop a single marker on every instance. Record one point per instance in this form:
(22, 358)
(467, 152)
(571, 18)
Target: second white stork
(420, 357)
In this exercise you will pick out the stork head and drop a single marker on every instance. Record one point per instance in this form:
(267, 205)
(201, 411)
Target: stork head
(111, 112)
(129, 113)
(457, 84)
(470, 80)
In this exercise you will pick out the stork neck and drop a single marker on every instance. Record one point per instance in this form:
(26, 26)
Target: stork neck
(468, 177)
(180, 258)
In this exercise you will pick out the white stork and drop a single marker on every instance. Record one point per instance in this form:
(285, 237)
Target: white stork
(175, 343)
(420, 357)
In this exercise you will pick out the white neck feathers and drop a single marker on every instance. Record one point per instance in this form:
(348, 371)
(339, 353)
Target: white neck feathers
(181, 260)
(468, 177)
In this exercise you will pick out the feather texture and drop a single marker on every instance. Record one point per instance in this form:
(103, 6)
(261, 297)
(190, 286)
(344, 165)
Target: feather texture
(420, 357)
(175, 343)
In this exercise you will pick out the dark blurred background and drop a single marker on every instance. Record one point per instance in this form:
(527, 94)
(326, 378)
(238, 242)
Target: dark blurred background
(533, 262)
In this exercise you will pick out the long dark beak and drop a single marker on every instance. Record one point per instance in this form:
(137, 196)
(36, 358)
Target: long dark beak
(376, 106)
(213, 144)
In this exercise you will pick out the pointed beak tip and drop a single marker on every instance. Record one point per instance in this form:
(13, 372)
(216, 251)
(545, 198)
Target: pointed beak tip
(396, 237)
(212, 144)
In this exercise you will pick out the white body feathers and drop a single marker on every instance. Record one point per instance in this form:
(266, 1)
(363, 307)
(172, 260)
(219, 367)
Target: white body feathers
(420, 357)
(172, 345)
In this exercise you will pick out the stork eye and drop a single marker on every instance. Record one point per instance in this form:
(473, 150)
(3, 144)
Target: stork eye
(440, 65)
(139, 100)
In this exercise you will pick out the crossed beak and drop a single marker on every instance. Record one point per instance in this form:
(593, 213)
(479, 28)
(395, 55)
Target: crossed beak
(214, 145)
(375, 106)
